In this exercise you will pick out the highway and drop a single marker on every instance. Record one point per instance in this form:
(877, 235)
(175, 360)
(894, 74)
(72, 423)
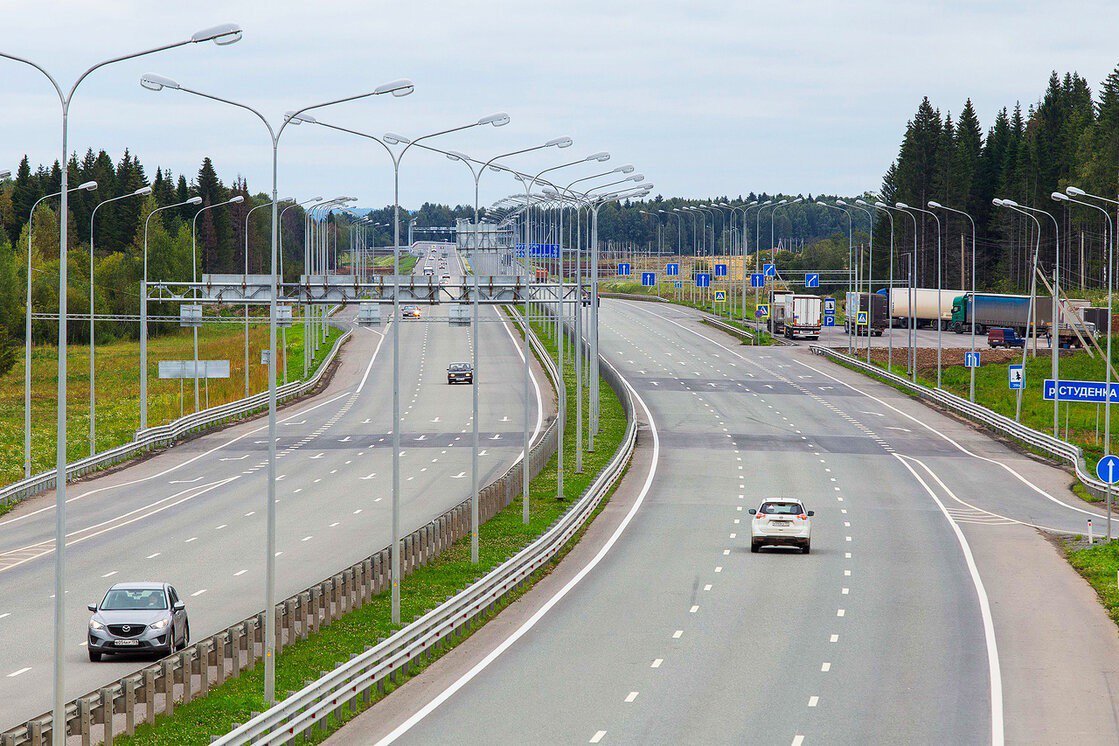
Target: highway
(194, 515)
(931, 610)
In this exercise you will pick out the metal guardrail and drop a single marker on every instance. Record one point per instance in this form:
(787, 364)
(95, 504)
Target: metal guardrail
(357, 677)
(1036, 439)
(155, 437)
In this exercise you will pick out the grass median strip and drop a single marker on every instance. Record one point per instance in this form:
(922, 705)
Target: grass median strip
(501, 537)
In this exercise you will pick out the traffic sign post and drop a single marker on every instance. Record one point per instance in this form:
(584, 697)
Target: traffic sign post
(648, 279)
(757, 280)
(1108, 471)
(1016, 377)
(812, 279)
(971, 359)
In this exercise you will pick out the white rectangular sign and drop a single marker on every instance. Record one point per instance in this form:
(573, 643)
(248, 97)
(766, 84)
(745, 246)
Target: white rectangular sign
(185, 369)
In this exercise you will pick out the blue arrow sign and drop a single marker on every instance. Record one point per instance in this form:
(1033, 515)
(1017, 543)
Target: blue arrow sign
(1082, 391)
(769, 270)
(812, 279)
(623, 268)
(830, 320)
(757, 280)
(678, 284)
(720, 270)
(1016, 377)
(703, 280)
(971, 360)
(1108, 469)
(648, 279)
(672, 270)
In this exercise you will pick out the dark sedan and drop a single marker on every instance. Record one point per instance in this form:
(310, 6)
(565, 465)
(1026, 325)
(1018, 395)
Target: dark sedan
(460, 373)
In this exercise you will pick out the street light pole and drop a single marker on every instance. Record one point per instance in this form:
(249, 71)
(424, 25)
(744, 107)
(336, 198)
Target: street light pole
(194, 278)
(1031, 316)
(939, 286)
(889, 288)
(936, 206)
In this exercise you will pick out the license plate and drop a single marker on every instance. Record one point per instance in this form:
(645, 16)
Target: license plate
(779, 523)
(126, 643)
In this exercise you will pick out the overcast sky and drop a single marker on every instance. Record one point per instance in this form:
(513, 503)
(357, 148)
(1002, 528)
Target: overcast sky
(706, 98)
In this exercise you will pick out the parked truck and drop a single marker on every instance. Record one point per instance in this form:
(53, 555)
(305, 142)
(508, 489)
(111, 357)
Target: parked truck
(802, 316)
(879, 313)
(777, 311)
(998, 310)
(924, 310)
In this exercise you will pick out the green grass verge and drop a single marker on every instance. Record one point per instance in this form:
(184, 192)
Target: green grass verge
(118, 396)
(500, 538)
(1098, 564)
(407, 262)
(683, 297)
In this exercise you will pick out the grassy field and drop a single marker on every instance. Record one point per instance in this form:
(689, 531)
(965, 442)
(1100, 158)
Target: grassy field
(407, 262)
(500, 538)
(118, 389)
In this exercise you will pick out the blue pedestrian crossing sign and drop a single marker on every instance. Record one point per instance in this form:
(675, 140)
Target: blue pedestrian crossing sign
(1108, 469)
(703, 280)
(769, 270)
(829, 306)
(757, 280)
(971, 359)
(763, 311)
(623, 268)
(720, 296)
(672, 270)
(812, 279)
(648, 279)
(830, 320)
(720, 270)
(861, 319)
(1016, 377)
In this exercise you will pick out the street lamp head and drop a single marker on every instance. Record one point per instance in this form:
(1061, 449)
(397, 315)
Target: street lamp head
(767, 202)
(398, 88)
(5, 174)
(223, 35)
(821, 203)
(498, 169)
(861, 202)
(626, 169)
(455, 156)
(550, 192)
(935, 205)
(237, 200)
(1058, 197)
(798, 199)
(559, 142)
(996, 202)
(782, 201)
(88, 186)
(288, 199)
(298, 119)
(600, 157)
(142, 192)
(154, 82)
(1009, 203)
(881, 205)
(1073, 191)
(194, 201)
(753, 204)
(901, 205)
(497, 120)
(841, 203)
(635, 177)
(394, 139)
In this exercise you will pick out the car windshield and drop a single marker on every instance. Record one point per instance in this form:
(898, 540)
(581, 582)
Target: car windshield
(781, 508)
(132, 599)
(460, 366)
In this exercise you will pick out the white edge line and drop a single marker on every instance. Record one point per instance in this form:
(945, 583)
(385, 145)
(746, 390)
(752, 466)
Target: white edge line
(531, 622)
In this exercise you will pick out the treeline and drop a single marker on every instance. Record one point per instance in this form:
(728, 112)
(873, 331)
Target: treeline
(1067, 138)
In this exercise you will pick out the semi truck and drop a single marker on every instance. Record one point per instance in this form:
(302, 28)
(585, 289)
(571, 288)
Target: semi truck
(777, 311)
(998, 310)
(802, 316)
(924, 306)
(879, 313)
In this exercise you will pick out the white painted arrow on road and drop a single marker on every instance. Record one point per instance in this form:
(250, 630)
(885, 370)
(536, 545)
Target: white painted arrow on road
(370, 476)
(185, 481)
(460, 475)
(318, 455)
(497, 436)
(235, 458)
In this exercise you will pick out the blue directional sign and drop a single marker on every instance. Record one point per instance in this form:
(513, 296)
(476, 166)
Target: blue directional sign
(769, 270)
(720, 270)
(830, 320)
(812, 279)
(672, 270)
(703, 280)
(861, 319)
(1108, 469)
(971, 360)
(648, 279)
(720, 296)
(757, 280)
(623, 268)
(678, 284)
(829, 305)
(1016, 377)
(1082, 391)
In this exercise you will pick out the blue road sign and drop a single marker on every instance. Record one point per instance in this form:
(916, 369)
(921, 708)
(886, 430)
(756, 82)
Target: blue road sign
(623, 268)
(703, 280)
(1082, 391)
(861, 319)
(763, 311)
(678, 284)
(720, 270)
(1016, 377)
(812, 279)
(757, 280)
(672, 270)
(769, 270)
(648, 279)
(971, 359)
(1108, 469)
(720, 296)
(830, 320)
(829, 305)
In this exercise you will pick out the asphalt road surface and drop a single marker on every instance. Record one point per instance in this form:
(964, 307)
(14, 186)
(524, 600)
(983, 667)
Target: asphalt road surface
(931, 609)
(194, 515)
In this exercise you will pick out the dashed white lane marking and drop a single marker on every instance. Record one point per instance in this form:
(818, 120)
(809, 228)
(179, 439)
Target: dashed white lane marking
(193, 538)
(153, 556)
(657, 663)
(798, 740)
(631, 696)
(307, 538)
(677, 634)
(14, 674)
(219, 528)
(825, 667)
(5, 614)
(239, 573)
(597, 736)
(110, 574)
(813, 701)
(833, 638)
(841, 612)
(198, 593)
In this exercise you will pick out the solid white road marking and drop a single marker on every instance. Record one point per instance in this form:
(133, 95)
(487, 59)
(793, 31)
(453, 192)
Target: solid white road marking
(153, 556)
(109, 574)
(198, 593)
(14, 674)
(239, 573)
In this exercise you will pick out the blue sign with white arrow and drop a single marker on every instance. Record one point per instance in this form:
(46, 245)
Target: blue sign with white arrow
(1081, 391)
(703, 280)
(648, 279)
(672, 270)
(757, 280)
(971, 359)
(720, 270)
(812, 279)
(623, 268)
(769, 270)
(1108, 469)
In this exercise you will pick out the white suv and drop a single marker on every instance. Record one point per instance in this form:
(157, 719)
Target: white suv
(781, 523)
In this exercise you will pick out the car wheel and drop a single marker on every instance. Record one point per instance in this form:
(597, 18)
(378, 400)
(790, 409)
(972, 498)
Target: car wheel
(755, 546)
(94, 656)
(186, 634)
(807, 547)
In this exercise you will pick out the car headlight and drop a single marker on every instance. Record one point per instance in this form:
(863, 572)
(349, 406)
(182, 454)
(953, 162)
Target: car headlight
(96, 625)
(158, 625)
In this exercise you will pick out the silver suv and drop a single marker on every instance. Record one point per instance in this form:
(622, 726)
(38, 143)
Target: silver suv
(138, 618)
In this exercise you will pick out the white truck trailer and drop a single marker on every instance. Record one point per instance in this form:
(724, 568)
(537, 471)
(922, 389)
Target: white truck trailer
(920, 304)
(803, 316)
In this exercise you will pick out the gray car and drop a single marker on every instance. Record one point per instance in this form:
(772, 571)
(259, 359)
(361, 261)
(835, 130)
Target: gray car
(138, 618)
